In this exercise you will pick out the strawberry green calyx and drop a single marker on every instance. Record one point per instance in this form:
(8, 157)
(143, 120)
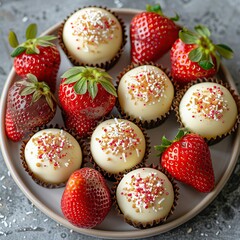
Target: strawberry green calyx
(205, 51)
(30, 46)
(86, 79)
(37, 89)
(167, 143)
(157, 9)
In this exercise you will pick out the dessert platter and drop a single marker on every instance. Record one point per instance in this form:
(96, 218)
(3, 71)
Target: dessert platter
(189, 201)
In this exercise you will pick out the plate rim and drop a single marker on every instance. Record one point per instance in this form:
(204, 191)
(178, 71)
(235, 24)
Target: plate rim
(105, 233)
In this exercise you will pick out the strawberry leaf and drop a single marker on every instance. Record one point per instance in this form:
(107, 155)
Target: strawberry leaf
(155, 8)
(202, 31)
(81, 86)
(181, 133)
(12, 39)
(73, 79)
(105, 75)
(160, 149)
(28, 90)
(218, 60)
(175, 18)
(31, 31)
(188, 37)
(17, 51)
(108, 86)
(166, 142)
(92, 89)
(211, 60)
(44, 43)
(164, 145)
(224, 51)
(49, 101)
(196, 54)
(205, 64)
(47, 38)
(33, 50)
(72, 71)
(32, 78)
(158, 10)
(36, 96)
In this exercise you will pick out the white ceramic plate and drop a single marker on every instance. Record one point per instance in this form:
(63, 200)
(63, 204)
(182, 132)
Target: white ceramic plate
(191, 202)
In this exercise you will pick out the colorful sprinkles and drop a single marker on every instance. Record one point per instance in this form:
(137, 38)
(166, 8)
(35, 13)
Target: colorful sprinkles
(208, 103)
(145, 192)
(147, 86)
(92, 28)
(119, 138)
(51, 149)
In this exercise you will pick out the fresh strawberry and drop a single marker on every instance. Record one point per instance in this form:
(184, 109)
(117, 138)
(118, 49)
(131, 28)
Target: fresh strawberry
(187, 158)
(86, 199)
(87, 91)
(30, 104)
(152, 34)
(37, 56)
(194, 55)
(80, 124)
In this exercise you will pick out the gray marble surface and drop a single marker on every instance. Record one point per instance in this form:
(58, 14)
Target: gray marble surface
(19, 219)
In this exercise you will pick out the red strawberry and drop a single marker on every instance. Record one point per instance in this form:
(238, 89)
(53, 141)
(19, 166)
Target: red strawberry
(29, 105)
(194, 55)
(152, 34)
(81, 124)
(37, 56)
(86, 92)
(187, 158)
(86, 199)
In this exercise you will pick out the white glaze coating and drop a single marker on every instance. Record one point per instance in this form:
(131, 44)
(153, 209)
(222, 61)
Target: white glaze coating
(210, 113)
(53, 155)
(117, 144)
(92, 35)
(145, 93)
(145, 195)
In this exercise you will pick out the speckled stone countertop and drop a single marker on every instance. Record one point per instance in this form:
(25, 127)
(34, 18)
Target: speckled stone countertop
(19, 219)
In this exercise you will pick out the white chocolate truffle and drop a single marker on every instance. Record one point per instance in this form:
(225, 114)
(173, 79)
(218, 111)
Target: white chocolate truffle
(145, 195)
(208, 109)
(52, 155)
(145, 93)
(92, 35)
(117, 144)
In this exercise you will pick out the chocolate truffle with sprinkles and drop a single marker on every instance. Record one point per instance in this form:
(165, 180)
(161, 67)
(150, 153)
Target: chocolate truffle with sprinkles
(145, 93)
(145, 197)
(208, 109)
(92, 36)
(117, 145)
(51, 156)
